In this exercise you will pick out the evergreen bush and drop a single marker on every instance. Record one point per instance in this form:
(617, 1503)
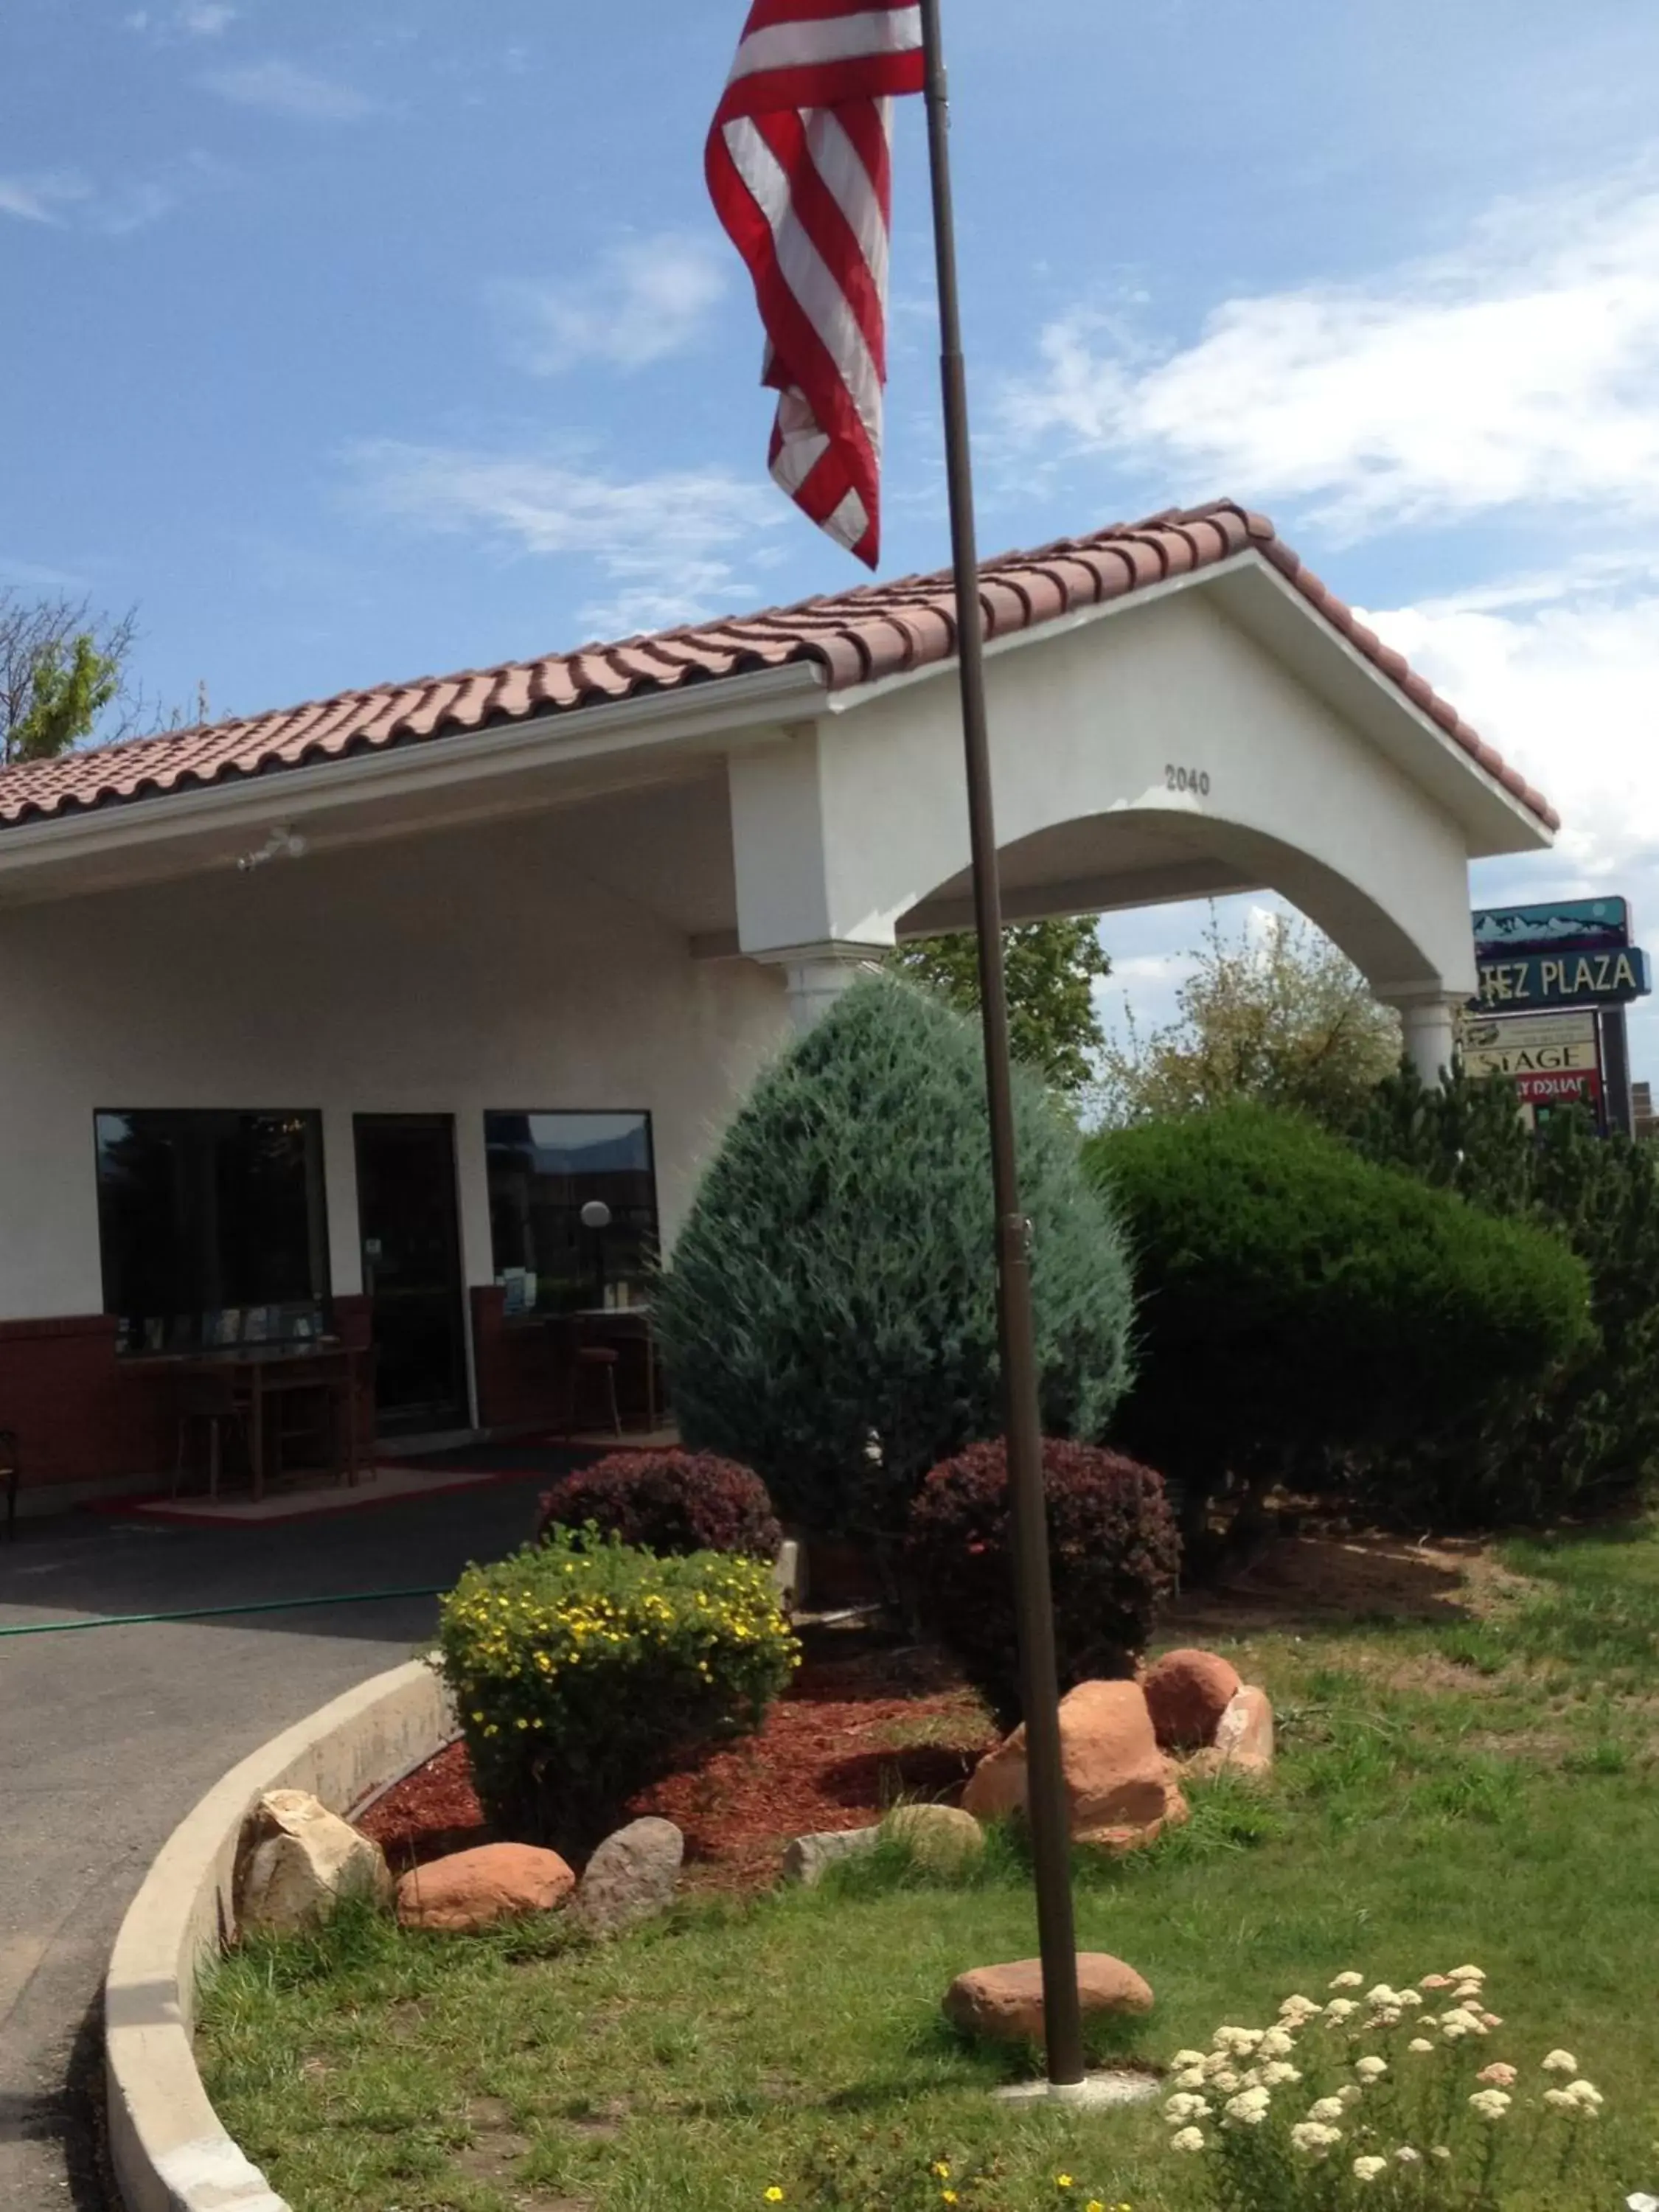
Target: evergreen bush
(1586, 1438)
(1302, 1304)
(1113, 1554)
(666, 1501)
(830, 1318)
(583, 1670)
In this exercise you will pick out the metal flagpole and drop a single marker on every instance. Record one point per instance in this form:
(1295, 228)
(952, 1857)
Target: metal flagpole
(1039, 1678)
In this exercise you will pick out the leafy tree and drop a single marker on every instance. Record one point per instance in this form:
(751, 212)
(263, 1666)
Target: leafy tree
(1284, 1017)
(62, 668)
(1303, 1307)
(1586, 1438)
(830, 1319)
(1051, 967)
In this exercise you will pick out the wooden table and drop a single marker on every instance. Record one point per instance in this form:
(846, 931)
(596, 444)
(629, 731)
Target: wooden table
(262, 1372)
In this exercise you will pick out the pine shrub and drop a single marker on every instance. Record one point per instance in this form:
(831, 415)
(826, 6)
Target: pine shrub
(830, 1318)
(666, 1501)
(1113, 1554)
(583, 1670)
(1303, 1305)
(1586, 1439)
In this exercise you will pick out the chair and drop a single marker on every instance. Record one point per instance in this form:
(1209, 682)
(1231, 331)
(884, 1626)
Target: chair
(12, 1466)
(586, 1362)
(209, 1403)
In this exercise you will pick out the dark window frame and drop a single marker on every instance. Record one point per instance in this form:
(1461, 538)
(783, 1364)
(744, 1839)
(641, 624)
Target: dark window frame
(650, 1241)
(287, 1315)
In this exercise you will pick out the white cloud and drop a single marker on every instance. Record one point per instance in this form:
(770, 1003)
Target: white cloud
(67, 200)
(1524, 367)
(1564, 682)
(126, 208)
(644, 300)
(43, 198)
(189, 19)
(1562, 674)
(667, 543)
(282, 88)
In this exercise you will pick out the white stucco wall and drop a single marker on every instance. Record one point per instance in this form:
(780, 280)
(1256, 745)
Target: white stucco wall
(448, 974)
(841, 830)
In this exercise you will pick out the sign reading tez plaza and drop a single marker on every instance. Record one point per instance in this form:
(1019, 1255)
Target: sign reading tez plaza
(1536, 980)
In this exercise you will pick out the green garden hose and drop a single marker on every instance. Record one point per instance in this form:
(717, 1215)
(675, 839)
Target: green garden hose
(213, 1612)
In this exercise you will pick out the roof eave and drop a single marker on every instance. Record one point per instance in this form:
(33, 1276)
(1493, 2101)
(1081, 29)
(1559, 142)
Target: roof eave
(1270, 608)
(469, 777)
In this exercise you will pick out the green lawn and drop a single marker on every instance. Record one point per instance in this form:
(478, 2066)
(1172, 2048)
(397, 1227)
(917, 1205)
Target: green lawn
(1482, 1790)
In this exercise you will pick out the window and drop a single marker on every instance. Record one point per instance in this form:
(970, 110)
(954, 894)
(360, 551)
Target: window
(212, 1227)
(544, 1168)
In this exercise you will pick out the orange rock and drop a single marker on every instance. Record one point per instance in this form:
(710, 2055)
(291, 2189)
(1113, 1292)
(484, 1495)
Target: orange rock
(1005, 2002)
(1188, 1692)
(1120, 1789)
(471, 1889)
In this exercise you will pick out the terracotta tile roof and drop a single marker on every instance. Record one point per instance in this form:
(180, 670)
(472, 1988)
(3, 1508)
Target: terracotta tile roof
(855, 636)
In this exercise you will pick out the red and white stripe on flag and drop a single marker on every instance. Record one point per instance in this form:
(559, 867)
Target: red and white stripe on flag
(799, 167)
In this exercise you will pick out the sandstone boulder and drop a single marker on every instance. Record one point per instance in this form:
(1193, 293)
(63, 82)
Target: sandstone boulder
(1120, 1787)
(1186, 1693)
(1004, 2003)
(1244, 1742)
(299, 1859)
(471, 1889)
(631, 1877)
(809, 1858)
(941, 1838)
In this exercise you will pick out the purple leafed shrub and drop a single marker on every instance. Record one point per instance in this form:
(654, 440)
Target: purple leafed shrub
(667, 1502)
(1113, 1553)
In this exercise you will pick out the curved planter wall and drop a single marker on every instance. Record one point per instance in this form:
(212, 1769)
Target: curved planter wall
(168, 2149)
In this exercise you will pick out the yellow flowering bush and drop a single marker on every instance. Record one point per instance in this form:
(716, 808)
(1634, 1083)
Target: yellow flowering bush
(583, 1670)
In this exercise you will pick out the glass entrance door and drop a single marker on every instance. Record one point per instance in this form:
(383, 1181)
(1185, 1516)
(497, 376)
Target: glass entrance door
(411, 1244)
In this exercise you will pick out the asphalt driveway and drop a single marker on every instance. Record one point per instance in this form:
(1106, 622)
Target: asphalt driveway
(108, 1735)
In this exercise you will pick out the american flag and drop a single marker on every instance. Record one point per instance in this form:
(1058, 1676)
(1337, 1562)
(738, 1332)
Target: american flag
(799, 166)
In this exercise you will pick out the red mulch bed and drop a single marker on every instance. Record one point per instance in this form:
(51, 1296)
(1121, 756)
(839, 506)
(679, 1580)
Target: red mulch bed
(854, 1734)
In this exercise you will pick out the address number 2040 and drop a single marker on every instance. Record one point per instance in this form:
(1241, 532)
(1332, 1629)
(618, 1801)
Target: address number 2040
(1193, 780)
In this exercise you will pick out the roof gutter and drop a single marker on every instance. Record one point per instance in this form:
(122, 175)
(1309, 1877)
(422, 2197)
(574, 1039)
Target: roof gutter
(721, 708)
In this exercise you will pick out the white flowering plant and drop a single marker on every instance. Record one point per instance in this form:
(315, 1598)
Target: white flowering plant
(1381, 2098)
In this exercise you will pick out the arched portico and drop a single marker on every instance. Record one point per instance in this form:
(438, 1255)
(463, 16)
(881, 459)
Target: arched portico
(1184, 743)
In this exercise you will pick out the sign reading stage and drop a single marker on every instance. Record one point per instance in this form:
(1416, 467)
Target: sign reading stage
(1552, 1059)
(1539, 1044)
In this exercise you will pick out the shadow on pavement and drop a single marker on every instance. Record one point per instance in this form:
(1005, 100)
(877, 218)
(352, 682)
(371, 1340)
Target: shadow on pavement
(102, 1565)
(63, 2126)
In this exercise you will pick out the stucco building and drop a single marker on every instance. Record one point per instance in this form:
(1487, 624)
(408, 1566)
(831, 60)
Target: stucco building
(329, 1022)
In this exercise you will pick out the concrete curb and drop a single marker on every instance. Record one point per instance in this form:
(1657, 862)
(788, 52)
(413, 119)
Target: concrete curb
(169, 2151)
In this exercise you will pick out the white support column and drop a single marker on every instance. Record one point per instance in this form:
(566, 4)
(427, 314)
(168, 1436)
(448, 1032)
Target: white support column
(1429, 1021)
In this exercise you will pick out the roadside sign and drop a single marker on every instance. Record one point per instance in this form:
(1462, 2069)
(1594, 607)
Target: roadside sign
(1598, 925)
(1531, 982)
(1552, 1059)
(1532, 1044)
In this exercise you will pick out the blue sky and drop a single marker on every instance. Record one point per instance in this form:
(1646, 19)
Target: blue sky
(351, 344)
